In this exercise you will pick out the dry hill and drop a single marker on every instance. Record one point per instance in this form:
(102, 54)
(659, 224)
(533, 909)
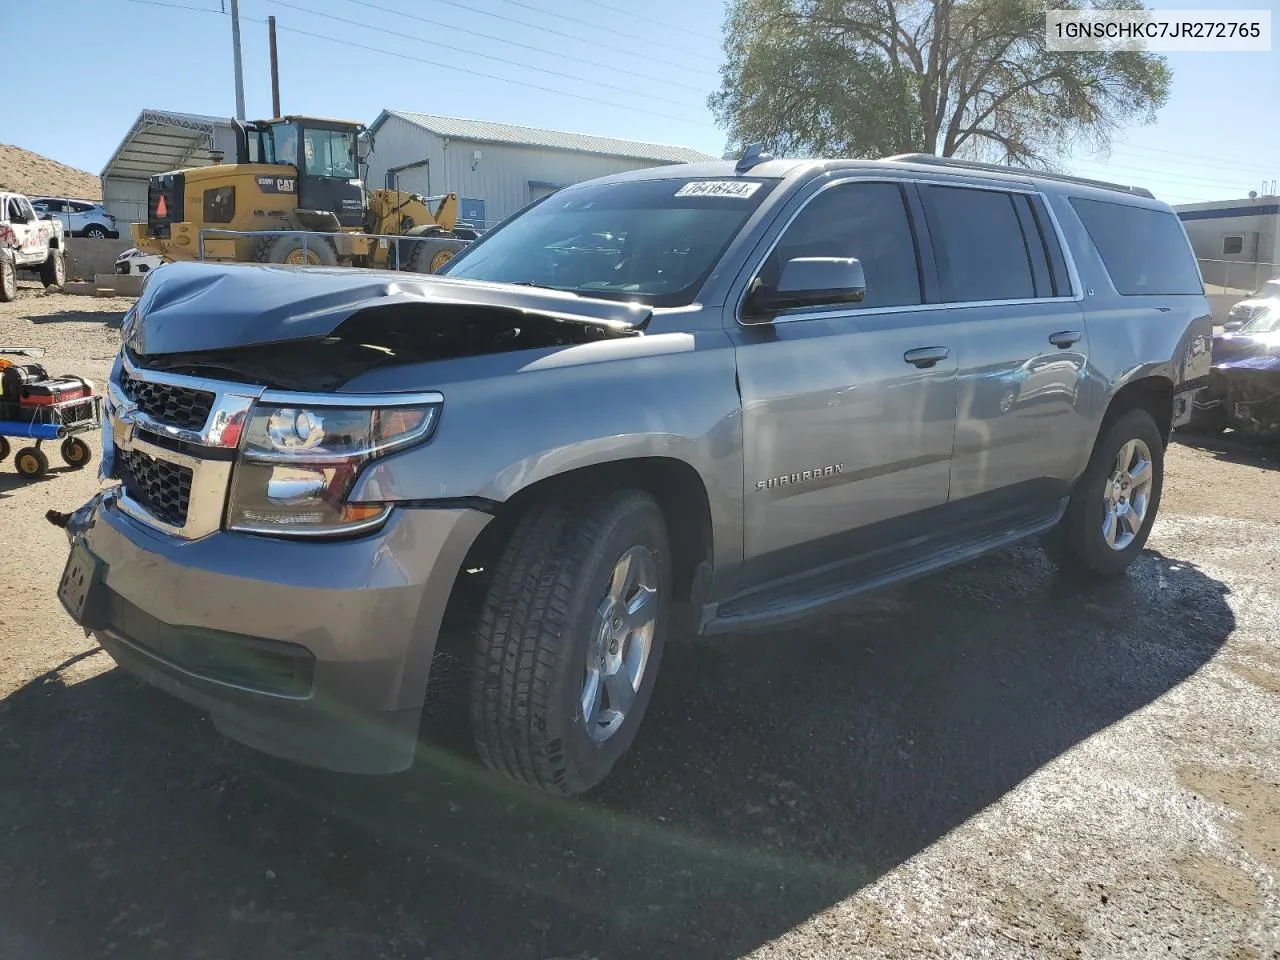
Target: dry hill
(25, 172)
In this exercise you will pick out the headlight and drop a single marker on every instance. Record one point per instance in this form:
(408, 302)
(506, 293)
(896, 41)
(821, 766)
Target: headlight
(298, 463)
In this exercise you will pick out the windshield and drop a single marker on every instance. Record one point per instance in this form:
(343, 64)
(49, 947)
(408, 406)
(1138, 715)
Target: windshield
(1268, 321)
(1268, 290)
(652, 241)
(280, 143)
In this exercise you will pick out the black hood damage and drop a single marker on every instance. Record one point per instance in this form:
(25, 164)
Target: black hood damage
(315, 328)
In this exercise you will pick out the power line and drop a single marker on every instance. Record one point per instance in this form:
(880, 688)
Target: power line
(435, 63)
(586, 23)
(526, 46)
(489, 76)
(1190, 179)
(571, 36)
(512, 42)
(481, 56)
(1219, 161)
(640, 16)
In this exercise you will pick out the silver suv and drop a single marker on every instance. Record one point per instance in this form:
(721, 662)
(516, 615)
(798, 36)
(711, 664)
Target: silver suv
(80, 218)
(700, 398)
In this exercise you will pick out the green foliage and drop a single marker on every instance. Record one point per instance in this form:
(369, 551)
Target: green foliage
(971, 78)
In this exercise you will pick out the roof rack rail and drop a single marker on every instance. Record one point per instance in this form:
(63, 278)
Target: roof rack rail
(1021, 171)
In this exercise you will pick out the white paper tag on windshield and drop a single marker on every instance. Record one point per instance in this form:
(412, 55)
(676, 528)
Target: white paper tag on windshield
(739, 189)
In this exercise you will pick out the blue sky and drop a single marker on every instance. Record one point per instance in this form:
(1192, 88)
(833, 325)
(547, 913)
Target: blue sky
(608, 67)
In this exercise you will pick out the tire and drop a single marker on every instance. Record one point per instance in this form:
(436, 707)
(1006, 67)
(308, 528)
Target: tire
(31, 463)
(4, 448)
(429, 255)
(8, 279)
(543, 628)
(95, 231)
(76, 454)
(288, 248)
(1079, 544)
(53, 273)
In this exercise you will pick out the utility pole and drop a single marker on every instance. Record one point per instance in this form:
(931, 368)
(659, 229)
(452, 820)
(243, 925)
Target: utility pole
(235, 51)
(275, 68)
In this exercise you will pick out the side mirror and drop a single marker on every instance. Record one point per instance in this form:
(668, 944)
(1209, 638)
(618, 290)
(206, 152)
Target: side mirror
(1231, 326)
(811, 282)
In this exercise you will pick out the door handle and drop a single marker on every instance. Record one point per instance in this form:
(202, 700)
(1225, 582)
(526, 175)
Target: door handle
(1067, 338)
(925, 357)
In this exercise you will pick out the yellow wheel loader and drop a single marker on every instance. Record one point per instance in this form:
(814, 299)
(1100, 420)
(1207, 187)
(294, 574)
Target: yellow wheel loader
(294, 195)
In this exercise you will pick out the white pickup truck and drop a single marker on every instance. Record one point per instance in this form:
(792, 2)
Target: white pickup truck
(28, 243)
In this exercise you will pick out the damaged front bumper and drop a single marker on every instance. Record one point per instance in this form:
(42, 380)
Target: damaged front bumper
(313, 652)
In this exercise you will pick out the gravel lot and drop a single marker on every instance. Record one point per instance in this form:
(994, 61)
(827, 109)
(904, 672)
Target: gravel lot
(985, 763)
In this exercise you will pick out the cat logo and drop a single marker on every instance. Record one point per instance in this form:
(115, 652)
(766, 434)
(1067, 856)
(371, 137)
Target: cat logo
(277, 184)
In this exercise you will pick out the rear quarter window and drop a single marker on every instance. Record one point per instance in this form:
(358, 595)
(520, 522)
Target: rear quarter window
(1144, 251)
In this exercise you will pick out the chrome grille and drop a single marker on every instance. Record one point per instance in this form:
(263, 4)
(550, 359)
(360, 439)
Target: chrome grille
(163, 489)
(180, 406)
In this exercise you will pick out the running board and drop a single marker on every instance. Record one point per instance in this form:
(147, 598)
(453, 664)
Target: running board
(780, 604)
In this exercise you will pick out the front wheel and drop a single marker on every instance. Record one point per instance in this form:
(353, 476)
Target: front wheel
(569, 640)
(296, 250)
(95, 232)
(76, 454)
(1114, 504)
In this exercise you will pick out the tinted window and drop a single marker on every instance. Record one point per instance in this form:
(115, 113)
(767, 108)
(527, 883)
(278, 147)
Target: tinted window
(1144, 251)
(979, 243)
(82, 207)
(330, 153)
(868, 221)
(1232, 245)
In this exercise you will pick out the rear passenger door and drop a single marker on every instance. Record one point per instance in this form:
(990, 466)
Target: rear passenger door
(1020, 342)
(847, 424)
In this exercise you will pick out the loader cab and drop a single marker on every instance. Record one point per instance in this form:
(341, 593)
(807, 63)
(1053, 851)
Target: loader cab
(330, 193)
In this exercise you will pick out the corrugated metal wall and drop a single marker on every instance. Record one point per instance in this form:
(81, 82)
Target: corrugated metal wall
(505, 177)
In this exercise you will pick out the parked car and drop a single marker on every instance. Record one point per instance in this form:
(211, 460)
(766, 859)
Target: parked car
(1264, 298)
(777, 384)
(79, 218)
(1243, 391)
(134, 261)
(28, 243)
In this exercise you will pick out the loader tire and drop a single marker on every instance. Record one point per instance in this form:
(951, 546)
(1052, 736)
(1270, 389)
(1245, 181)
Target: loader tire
(429, 255)
(290, 248)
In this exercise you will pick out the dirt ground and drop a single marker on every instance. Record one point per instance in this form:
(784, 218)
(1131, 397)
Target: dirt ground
(25, 172)
(989, 762)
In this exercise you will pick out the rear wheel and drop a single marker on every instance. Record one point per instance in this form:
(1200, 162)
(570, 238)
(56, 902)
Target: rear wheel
(96, 231)
(297, 250)
(8, 279)
(1114, 504)
(54, 271)
(569, 640)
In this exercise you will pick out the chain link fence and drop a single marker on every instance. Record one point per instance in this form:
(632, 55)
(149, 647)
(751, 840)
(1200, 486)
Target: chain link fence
(1236, 277)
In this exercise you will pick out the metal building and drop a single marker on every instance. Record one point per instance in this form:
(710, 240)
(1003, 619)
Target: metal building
(497, 168)
(160, 141)
(1234, 240)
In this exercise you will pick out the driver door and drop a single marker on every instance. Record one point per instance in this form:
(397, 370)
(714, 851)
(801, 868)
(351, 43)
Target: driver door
(848, 411)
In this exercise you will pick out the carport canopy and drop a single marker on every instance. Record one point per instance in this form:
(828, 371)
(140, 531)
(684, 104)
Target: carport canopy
(160, 141)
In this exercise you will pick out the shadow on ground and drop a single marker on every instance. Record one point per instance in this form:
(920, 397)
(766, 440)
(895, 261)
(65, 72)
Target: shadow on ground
(109, 318)
(776, 775)
(1231, 447)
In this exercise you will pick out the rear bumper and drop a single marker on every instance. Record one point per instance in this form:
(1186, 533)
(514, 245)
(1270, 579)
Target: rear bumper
(314, 652)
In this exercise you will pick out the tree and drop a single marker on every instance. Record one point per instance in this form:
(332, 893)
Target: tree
(970, 78)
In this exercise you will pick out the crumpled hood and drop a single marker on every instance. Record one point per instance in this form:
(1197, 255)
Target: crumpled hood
(190, 307)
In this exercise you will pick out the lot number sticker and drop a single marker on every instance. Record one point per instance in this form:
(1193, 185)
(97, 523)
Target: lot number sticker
(738, 189)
